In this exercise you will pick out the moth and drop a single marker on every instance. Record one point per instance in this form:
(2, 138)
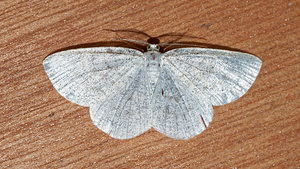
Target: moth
(129, 91)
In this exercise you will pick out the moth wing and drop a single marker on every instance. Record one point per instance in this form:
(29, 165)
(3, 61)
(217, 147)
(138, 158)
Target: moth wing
(85, 76)
(126, 112)
(221, 76)
(179, 111)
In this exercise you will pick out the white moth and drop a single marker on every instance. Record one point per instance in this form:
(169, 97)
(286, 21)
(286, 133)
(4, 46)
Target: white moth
(129, 92)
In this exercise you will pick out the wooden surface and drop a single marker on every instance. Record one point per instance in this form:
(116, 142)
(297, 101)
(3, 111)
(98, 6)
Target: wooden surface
(41, 129)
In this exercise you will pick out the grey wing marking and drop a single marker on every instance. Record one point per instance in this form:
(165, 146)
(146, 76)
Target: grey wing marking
(222, 76)
(85, 76)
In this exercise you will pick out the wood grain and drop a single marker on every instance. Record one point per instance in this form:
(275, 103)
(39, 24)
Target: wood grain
(40, 129)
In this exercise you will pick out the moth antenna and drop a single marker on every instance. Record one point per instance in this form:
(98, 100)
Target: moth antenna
(135, 41)
(168, 45)
(179, 35)
(129, 30)
(177, 44)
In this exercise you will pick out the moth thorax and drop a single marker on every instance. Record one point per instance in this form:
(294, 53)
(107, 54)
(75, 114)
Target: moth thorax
(153, 66)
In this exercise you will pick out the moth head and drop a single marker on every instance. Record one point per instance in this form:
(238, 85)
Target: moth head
(153, 47)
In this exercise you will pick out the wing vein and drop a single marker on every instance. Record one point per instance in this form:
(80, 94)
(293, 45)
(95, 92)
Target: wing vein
(184, 102)
(131, 93)
(115, 82)
(179, 105)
